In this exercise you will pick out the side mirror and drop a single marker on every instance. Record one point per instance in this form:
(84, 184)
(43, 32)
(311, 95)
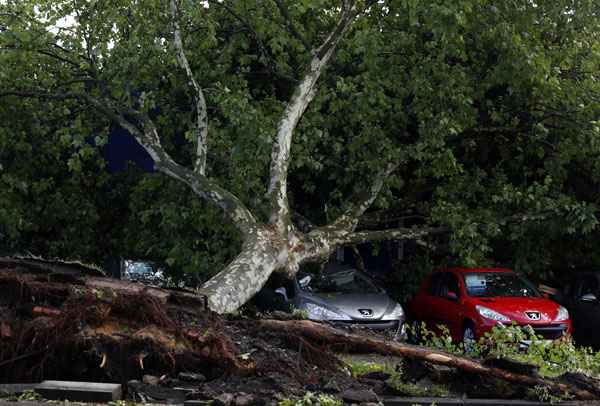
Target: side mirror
(305, 281)
(281, 291)
(452, 296)
(590, 297)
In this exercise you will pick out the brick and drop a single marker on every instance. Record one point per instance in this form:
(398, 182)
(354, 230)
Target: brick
(79, 391)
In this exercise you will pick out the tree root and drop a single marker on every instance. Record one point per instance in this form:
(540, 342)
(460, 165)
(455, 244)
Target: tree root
(113, 329)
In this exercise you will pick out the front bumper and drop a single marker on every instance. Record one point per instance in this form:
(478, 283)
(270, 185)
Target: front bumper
(549, 331)
(371, 324)
(394, 329)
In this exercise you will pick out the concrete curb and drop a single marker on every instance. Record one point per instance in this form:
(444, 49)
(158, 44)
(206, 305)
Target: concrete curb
(399, 401)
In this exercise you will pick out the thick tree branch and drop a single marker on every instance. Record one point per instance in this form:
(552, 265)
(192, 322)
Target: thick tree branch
(392, 234)
(303, 94)
(379, 218)
(201, 127)
(324, 240)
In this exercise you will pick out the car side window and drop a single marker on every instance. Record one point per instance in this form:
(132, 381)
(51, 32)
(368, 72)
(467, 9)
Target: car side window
(453, 284)
(449, 285)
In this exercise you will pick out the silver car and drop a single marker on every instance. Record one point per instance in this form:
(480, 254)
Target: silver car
(345, 296)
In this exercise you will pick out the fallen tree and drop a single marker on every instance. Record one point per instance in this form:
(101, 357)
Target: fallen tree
(70, 325)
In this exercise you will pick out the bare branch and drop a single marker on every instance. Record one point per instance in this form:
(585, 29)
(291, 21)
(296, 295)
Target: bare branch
(298, 103)
(392, 234)
(362, 200)
(290, 24)
(201, 128)
(378, 218)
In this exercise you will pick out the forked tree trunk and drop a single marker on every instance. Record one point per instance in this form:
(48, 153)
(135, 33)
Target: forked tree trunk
(245, 275)
(265, 251)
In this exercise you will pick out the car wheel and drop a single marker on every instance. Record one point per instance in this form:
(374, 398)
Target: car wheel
(414, 332)
(469, 338)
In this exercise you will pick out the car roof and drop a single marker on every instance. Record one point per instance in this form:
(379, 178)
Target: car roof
(474, 270)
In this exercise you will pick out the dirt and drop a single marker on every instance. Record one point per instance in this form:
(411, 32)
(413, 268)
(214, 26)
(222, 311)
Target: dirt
(66, 330)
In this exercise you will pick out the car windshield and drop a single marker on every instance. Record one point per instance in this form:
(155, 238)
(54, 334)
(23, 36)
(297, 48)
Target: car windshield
(498, 284)
(345, 282)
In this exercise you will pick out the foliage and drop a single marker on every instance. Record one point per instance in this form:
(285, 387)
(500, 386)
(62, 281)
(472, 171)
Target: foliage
(360, 368)
(406, 278)
(313, 399)
(489, 108)
(300, 314)
(396, 380)
(442, 341)
(410, 389)
(543, 394)
(27, 396)
(552, 357)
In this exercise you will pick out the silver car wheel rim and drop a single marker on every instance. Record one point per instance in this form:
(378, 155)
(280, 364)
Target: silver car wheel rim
(468, 339)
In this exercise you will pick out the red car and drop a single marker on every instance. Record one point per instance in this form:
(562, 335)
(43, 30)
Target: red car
(470, 302)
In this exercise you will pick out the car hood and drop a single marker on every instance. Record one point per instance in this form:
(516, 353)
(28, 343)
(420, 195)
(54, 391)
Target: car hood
(516, 308)
(352, 304)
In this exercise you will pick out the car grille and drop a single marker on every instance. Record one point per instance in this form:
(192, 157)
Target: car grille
(551, 331)
(375, 324)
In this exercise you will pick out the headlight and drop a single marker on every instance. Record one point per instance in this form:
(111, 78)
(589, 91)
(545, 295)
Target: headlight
(316, 312)
(396, 314)
(563, 314)
(490, 314)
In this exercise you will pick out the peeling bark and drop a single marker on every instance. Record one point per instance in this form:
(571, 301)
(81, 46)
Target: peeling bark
(303, 95)
(201, 128)
(245, 275)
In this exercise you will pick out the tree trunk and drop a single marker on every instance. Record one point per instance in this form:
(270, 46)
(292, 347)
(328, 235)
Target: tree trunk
(246, 274)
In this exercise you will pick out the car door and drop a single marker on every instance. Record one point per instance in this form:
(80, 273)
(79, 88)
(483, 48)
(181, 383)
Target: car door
(448, 308)
(440, 306)
(425, 307)
(585, 313)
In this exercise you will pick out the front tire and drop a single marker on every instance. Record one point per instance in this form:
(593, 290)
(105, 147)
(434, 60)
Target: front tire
(469, 339)
(414, 332)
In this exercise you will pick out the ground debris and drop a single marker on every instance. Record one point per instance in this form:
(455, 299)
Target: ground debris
(164, 345)
(158, 345)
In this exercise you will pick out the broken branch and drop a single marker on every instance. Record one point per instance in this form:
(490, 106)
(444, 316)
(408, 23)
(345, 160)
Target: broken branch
(351, 342)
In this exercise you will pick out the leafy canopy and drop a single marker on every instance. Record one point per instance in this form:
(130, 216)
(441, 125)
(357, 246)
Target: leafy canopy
(490, 108)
